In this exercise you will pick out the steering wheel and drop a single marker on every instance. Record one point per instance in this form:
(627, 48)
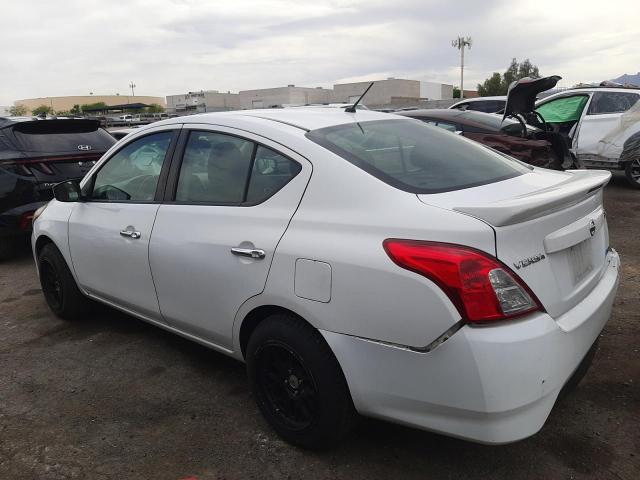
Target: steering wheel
(541, 119)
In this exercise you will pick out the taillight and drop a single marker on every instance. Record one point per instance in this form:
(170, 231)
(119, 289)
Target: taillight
(26, 219)
(480, 286)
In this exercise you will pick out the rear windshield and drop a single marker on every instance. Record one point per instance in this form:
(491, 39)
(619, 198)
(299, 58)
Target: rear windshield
(415, 157)
(62, 136)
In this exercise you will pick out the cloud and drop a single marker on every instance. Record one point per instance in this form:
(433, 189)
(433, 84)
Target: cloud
(72, 47)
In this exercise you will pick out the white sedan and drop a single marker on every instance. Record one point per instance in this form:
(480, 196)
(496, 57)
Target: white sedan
(358, 262)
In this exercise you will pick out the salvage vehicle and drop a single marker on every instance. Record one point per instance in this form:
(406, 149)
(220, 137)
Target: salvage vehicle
(594, 121)
(35, 154)
(357, 261)
(482, 104)
(509, 136)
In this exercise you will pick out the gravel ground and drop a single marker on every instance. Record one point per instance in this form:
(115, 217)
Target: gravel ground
(113, 397)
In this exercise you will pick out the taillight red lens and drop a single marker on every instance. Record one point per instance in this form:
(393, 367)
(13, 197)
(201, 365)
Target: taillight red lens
(480, 286)
(26, 219)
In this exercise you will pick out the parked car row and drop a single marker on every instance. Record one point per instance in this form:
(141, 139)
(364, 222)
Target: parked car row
(34, 156)
(358, 262)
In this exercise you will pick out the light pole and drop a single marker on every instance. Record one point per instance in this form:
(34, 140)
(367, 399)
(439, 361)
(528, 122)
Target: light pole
(132, 86)
(460, 43)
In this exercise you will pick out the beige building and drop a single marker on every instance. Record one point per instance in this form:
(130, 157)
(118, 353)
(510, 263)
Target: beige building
(203, 101)
(391, 91)
(61, 104)
(283, 96)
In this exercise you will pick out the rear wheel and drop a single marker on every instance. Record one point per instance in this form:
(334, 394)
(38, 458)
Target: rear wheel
(60, 290)
(632, 171)
(298, 384)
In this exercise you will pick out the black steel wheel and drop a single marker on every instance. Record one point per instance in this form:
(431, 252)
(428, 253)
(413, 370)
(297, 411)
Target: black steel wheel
(286, 385)
(58, 285)
(298, 383)
(632, 172)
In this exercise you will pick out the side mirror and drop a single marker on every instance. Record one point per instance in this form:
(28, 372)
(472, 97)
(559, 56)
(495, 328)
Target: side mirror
(68, 191)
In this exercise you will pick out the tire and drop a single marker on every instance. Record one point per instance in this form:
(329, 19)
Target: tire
(580, 372)
(7, 248)
(632, 172)
(298, 384)
(59, 288)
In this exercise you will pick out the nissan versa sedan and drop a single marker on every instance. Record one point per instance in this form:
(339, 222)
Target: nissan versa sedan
(358, 262)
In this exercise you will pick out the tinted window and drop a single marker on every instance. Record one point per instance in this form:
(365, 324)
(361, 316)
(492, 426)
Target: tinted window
(224, 169)
(132, 174)
(612, 102)
(61, 136)
(488, 106)
(214, 168)
(415, 157)
(271, 171)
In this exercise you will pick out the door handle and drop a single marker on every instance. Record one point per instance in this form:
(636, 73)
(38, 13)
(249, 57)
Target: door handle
(131, 234)
(248, 252)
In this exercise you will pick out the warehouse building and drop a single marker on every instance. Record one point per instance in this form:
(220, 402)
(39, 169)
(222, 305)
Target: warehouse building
(283, 96)
(391, 92)
(203, 101)
(62, 104)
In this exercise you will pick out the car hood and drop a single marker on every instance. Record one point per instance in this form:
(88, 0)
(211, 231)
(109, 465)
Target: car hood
(521, 96)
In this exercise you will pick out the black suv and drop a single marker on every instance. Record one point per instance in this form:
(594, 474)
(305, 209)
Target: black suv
(35, 154)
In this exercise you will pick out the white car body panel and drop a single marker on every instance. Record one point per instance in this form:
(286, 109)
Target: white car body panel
(598, 139)
(493, 384)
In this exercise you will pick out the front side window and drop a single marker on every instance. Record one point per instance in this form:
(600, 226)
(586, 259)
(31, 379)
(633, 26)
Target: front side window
(564, 109)
(132, 174)
(414, 157)
(227, 170)
(612, 102)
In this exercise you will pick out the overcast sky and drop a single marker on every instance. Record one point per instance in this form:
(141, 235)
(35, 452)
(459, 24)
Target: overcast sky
(73, 47)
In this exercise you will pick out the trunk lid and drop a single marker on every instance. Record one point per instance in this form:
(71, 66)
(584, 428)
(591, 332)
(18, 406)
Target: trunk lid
(550, 229)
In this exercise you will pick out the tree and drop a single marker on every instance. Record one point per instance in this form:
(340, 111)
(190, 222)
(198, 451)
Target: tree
(155, 108)
(75, 110)
(93, 106)
(18, 110)
(492, 86)
(42, 109)
(498, 84)
(456, 92)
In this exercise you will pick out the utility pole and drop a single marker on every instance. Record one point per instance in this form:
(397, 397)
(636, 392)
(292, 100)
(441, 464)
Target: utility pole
(460, 43)
(132, 86)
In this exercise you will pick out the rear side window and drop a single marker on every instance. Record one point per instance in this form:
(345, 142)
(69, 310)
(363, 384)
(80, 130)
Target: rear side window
(612, 102)
(62, 136)
(415, 157)
(227, 170)
(487, 106)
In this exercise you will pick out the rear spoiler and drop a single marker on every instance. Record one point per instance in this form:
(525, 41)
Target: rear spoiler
(579, 186)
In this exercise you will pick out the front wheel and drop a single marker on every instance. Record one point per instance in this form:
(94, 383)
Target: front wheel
(298, 383)
(632, 172)
(60, 290)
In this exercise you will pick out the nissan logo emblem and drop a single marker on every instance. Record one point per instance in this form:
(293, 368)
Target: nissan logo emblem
(84, 147)
(592, 228)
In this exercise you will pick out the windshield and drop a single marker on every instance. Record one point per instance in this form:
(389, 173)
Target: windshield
(414, 157)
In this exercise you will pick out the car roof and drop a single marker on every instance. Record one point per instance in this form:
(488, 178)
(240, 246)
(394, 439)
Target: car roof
(461, 116)
(480, 99)
(583, 90)
(304, 118)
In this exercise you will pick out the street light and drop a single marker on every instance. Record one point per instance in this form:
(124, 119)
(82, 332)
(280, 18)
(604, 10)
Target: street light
(460, 43)
(132, 86)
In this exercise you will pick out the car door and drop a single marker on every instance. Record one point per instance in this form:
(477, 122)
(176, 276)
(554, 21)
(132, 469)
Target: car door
(231, 196)
(109, 231)
(599, 133)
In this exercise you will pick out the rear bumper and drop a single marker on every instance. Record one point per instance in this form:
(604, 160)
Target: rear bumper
(11, 221)
(493, 384)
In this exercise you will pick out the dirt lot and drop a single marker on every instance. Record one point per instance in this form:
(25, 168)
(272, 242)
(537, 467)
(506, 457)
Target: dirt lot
(116, 398)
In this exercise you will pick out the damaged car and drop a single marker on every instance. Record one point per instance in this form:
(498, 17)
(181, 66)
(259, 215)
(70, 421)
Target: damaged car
(510, 135)
(597, 122)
